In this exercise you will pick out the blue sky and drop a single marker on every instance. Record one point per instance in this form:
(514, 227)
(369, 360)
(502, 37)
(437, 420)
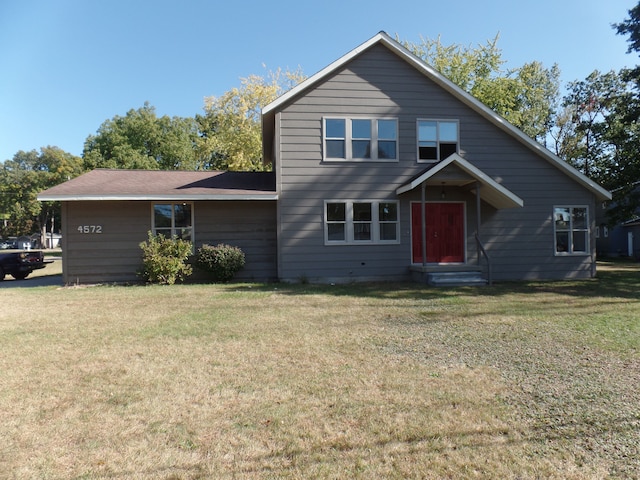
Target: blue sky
(66, 66)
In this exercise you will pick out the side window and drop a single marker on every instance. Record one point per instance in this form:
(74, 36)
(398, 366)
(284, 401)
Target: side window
(173, 220)
(336, 222)
(335, 138)
(388, 221)
(388, 139)
(571, 226)
(437, 139)
(360, 139)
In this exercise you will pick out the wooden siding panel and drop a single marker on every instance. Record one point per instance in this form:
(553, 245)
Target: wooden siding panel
(112, 256)
(115, 255)
(377, 83)
(248, 225)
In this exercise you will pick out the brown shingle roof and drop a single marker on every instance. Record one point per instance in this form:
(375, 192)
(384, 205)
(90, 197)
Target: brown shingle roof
(165, 185)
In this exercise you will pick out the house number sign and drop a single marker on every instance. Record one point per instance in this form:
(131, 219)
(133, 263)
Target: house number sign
(90, 229)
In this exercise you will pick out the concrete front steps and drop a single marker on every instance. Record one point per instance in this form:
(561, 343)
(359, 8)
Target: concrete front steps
(450, 276)
(456, 279)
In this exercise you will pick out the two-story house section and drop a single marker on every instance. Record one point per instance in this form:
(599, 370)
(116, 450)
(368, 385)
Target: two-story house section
(383, 169)
(386, 169)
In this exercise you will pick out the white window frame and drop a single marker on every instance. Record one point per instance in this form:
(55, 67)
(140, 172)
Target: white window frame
(349, 223)
(348, 139)
(174, 229)
(571, 230)
(437, 121)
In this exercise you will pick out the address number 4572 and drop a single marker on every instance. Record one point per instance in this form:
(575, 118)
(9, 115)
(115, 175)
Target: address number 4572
(90, 228)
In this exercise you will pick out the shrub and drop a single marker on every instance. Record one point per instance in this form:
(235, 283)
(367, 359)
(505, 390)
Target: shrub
(223, 261)
(164, 260)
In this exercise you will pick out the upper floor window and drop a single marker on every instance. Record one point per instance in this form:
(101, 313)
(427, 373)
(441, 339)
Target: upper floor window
(437, 139)
(361, 222)
(571, 230)
(360, 139)
(173, 220)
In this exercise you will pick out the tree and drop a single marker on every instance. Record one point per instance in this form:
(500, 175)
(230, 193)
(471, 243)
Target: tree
(631, 27)
(623, 129)
(230, 129)
(525, 96)
(141, 140)
(26, 175)
(589, 134)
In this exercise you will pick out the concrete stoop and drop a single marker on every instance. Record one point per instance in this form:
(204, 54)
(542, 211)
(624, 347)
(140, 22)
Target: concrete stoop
(456, 279)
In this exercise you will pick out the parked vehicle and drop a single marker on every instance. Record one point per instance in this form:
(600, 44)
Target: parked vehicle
(8, 244)
(19, 264)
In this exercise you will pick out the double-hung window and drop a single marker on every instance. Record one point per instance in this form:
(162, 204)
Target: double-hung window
(355, 222)
(361, 139)
(571, 226)
(437, 139)
(173, 220)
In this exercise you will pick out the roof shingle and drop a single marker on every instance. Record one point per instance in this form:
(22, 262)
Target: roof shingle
(104, 184)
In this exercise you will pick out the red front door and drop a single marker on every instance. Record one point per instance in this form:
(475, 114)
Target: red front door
(445, 232)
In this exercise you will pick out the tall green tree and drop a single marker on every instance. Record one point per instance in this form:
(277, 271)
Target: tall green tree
(625, 129)
(590, 133)
(526, 96)
(230, 129)
(26, 175)
(142, 140)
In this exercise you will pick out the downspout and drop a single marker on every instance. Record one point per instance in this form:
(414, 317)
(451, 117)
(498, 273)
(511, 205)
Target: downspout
(478, 221)
(423, 223)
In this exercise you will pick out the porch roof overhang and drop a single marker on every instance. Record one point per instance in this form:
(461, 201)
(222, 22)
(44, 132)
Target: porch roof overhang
(456, 171)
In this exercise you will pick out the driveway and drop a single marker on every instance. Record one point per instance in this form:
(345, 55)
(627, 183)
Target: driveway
(29, 282)
(39, 278)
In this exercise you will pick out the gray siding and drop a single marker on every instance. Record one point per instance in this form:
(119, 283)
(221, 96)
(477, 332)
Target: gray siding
(245, 224)
(111, 256)
(379, 84)
(115, 256)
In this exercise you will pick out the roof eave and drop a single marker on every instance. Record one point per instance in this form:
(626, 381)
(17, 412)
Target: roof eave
(498, 196)
(155, 198)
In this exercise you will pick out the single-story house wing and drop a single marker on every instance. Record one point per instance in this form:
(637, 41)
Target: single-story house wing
(106, 214)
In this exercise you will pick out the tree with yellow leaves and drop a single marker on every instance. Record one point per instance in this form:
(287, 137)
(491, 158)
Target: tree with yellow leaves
(230, 131)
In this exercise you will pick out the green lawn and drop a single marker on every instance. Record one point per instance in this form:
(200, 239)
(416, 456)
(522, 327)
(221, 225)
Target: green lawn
(522, 380)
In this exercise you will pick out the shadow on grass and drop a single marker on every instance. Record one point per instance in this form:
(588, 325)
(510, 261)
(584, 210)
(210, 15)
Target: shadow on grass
(616, 280)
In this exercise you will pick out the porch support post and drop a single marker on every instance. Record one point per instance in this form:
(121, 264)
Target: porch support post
(478, 220)
(423, 222)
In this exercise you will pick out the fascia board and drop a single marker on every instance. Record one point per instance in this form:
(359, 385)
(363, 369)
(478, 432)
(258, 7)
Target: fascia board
(512, 200)
(178, 198)
(322, 74)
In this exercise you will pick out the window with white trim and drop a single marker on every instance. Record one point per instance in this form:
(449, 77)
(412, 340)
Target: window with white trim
(360, 139)
(356, 222)
(571, 225)
(173, 220)
(437, 139)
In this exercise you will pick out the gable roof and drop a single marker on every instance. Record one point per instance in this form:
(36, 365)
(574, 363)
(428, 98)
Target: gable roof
(104, 184)
(382, 38)
(490, 191)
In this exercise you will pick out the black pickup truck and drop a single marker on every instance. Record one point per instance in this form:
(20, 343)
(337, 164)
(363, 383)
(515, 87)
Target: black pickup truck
(19, 264)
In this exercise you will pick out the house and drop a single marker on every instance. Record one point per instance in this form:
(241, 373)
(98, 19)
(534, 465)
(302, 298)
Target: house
(383, 169)
(621, 239)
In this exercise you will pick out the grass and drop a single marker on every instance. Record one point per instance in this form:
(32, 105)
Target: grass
(522, 380)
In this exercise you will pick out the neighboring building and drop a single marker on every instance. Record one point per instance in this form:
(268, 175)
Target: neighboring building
(622, 239)
(370, 156)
